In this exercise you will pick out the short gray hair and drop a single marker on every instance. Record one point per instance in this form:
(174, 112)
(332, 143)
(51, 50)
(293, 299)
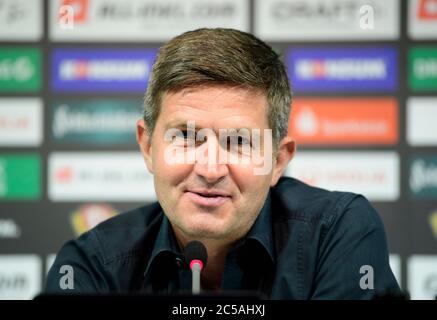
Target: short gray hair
(220, 56)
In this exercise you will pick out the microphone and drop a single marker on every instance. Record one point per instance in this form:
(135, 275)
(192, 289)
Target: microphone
(196, 257)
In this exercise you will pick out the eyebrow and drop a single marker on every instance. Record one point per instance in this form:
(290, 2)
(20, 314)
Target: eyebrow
(177, 125)
(183, 126)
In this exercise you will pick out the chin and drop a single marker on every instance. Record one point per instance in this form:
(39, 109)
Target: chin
(204, 231)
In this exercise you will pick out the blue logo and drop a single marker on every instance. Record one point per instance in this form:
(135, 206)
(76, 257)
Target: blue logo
(101, 70)
(343, 69)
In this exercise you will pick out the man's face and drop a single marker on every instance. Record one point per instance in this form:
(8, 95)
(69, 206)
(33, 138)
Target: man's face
(208, 200)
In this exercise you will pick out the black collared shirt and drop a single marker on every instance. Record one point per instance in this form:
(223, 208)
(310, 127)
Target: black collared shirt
(307, 243)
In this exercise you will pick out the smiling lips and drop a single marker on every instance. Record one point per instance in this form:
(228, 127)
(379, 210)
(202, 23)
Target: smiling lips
(209, 198)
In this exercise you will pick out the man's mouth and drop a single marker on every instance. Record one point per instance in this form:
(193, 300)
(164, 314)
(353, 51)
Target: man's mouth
(210, 198)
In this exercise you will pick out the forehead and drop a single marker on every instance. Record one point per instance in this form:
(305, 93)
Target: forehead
(215, 106)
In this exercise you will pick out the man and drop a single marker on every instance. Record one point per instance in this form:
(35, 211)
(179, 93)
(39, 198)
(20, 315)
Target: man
(214, 136)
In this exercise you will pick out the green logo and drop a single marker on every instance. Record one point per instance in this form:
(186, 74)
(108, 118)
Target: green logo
(20, 69)
(20, 176)
(422, 65)
(423, 177)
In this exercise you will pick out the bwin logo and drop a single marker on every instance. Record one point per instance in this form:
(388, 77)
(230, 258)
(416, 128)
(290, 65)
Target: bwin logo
(367, 281)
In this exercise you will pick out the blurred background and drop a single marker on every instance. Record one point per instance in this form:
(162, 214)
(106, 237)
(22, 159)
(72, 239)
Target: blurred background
(73, 74)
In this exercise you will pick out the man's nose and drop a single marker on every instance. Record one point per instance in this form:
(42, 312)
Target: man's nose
(208, 164)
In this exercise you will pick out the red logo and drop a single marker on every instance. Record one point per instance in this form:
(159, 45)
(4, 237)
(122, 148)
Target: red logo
(64, 175)
(343, 121)
(427, 10)
(80, 9)
(88, 216)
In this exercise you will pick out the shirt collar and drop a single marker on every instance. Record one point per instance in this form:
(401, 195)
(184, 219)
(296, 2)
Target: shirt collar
(165, 243)
(261, 231)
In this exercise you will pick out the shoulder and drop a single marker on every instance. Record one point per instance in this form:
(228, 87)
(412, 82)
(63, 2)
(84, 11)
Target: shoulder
(125, 233)
(123, 236)
(111, 255)
(325, 237)
(140, 217)
(295, 200)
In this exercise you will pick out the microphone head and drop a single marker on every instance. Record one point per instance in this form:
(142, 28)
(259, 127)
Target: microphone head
(195, 250)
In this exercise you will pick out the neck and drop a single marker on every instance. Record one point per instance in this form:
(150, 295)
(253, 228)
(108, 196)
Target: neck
(212, 274)
(217, 250)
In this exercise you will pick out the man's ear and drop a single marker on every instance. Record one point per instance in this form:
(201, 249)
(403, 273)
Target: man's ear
(284, 154)
(144, 141)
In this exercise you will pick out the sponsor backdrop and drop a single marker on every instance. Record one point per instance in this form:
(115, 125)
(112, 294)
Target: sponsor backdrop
(72, 77)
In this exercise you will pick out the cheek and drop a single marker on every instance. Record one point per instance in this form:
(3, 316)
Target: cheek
(168, 173)
(246, 181)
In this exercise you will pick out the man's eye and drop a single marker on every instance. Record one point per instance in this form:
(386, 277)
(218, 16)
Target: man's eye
(243, 141)
(240, 140)
(237, 141)
(186, 135)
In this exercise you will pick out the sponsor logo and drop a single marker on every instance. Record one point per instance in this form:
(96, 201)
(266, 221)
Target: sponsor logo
(88, 216)
(433, 223)
(104, 176)
(309, 20)
(423, 177)
(373, 174)
(9, 229)
(20, 176)
(107, 70)
(20, 69)
(422, 63)
(20, 122)
(421, 115)
(141, 20)
(20, 20)
(20, 277)
(344, 121)
(427, 10)
(343, 69)
(422, 277)
(96, 121)
(80, 10)
(422, 19)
